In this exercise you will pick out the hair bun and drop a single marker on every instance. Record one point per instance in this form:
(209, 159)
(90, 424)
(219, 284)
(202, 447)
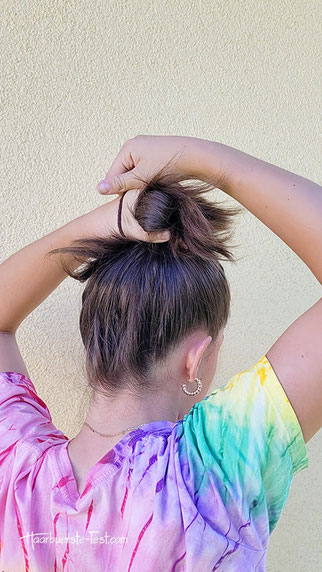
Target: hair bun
(197, 226)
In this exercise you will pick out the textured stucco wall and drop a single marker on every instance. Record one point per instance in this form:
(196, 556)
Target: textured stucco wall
(79, 78)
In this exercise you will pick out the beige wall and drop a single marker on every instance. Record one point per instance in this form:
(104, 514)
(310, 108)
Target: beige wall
(82, 77)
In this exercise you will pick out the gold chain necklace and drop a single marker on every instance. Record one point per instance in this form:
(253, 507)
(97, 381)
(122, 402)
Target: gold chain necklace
(112, 434)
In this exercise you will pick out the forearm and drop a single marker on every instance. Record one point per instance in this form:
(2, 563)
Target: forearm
(288, 204)
(27, 277)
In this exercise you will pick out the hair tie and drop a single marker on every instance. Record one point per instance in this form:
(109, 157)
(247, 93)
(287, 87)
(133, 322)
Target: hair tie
(120, 215)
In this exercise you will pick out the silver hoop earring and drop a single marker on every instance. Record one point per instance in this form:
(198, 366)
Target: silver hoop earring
(199, 387)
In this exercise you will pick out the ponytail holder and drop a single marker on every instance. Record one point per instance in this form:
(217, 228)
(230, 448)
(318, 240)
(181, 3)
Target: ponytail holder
(120, 215)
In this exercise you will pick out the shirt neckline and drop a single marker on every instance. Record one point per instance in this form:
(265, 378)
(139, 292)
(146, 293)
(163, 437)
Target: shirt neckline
(107, 465)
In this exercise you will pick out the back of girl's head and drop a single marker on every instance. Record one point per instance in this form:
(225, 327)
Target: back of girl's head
(142, 299)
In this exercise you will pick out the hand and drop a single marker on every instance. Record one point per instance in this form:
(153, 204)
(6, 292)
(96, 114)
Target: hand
(145, 155)
(131, 227)
(103, 219)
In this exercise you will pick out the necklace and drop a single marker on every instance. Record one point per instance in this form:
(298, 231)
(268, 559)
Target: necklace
(112, 434)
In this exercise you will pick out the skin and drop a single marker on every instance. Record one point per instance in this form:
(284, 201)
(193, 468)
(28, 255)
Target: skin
(288, 204)
(40, 275)
(195, 357)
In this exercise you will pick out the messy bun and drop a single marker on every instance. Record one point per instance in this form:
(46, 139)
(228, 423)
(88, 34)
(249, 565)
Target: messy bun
(141, 299)
(197, 227)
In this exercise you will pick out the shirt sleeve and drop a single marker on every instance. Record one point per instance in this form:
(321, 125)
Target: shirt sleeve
(249, 428)
(23, 415)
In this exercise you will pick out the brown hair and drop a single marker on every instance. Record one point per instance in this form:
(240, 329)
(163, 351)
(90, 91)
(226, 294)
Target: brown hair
(142, 299)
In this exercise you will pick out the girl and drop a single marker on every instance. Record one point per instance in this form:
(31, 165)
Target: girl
(162, 475)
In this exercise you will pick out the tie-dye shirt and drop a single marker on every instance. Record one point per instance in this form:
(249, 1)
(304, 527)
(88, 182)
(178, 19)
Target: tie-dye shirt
(200, 494)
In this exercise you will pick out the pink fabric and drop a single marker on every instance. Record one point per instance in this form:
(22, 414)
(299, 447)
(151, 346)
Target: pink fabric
(200, 494)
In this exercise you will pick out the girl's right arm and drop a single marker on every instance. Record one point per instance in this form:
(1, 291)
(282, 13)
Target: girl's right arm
(288, 204)
(291, 206)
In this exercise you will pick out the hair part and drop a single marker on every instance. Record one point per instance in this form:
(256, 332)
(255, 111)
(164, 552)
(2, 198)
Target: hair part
(142, 299)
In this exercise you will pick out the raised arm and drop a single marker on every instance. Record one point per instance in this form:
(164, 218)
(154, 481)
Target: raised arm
(291, 206)
(28, 276)
(288, 204)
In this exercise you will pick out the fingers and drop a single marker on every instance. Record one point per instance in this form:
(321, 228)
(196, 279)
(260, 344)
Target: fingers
(163, 236)
(122, 163)
(121, 175)
(119, 183)
(132, 227)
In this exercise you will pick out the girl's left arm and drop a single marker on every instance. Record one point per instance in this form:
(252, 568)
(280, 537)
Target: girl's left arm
(27, 277)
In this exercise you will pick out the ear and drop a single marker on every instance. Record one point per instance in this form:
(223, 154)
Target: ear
(194, 356)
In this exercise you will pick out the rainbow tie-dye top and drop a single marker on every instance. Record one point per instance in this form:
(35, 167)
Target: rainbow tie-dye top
(201, 494)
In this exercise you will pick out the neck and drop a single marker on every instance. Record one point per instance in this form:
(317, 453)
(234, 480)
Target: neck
(118, 414)
(112, 415)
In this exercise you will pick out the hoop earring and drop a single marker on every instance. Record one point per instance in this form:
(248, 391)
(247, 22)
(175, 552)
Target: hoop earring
(199, 387)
